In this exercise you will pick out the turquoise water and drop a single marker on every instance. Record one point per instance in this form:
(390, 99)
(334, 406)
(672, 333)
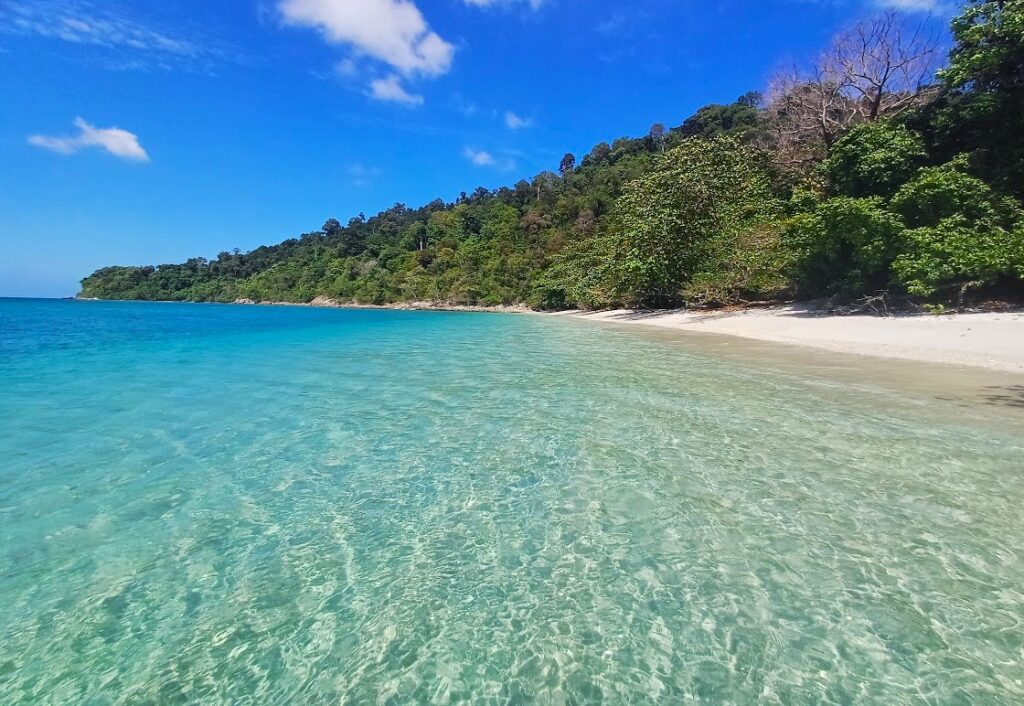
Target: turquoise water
(255, 505)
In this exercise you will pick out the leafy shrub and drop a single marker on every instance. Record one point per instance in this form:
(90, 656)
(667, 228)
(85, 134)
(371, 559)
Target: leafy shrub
(874, 159)
(957, 251)
(960, 231)
(845, 246)
(938, 193)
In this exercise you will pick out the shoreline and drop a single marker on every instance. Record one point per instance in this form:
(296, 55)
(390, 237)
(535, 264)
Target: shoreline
(987, 340)
(994, 341)
(327, 303)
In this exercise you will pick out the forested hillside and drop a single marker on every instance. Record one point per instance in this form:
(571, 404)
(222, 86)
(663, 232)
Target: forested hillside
(885, 167)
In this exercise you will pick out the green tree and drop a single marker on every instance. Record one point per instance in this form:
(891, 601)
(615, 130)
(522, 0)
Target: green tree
(657, 136)
(675, 221)
(740, 118)
(959, 253)
(567, 164)
(962, 233)
(874, 159)
(938, 193)
(989, 50)
(981, 115)
(845, 246)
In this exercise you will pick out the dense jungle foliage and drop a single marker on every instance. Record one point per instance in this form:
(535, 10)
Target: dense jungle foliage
(875, 171)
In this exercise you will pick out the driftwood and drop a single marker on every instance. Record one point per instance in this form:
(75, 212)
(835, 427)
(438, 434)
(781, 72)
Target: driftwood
(878, 304)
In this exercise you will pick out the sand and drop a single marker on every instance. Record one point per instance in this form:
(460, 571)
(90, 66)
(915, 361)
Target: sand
(987, 340)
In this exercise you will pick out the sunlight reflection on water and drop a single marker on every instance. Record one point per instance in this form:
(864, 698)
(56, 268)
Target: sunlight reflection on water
(241, 505)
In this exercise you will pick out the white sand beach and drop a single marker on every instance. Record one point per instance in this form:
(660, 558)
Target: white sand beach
(987, 340)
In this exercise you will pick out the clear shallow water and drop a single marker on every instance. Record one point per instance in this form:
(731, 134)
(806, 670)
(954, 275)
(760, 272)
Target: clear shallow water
(216, 504)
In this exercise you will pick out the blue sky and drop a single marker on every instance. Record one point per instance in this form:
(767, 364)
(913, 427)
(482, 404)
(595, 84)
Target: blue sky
(137, 132)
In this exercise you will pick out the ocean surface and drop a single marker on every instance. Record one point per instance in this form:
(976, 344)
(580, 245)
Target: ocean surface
(206, 504)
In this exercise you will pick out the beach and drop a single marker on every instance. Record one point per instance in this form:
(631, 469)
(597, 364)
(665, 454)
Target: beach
(986, 340)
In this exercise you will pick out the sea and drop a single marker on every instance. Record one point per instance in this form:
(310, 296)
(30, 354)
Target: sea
(226, 504)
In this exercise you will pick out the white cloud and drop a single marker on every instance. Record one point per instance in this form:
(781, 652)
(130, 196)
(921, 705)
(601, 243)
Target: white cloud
(391, 89)
(392, 31)
(534, 4)
(480, 158)
(915, 5)
(515, 122)
(116, 141)
(483, 158)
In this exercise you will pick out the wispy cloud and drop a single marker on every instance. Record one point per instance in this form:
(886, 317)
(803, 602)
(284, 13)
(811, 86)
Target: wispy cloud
(462, 105)
(347, 67)
(483, 158)
(516, 122)
(114, 140)
(86, 23)
(931, 6)
(361, 175)
(390, 89)
(534, 4)
(611, 25)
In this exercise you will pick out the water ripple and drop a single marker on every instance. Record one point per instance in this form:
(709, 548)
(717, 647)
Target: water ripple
(383, 508)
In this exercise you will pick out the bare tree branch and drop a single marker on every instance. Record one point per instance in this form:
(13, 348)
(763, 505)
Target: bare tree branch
(876, 69)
